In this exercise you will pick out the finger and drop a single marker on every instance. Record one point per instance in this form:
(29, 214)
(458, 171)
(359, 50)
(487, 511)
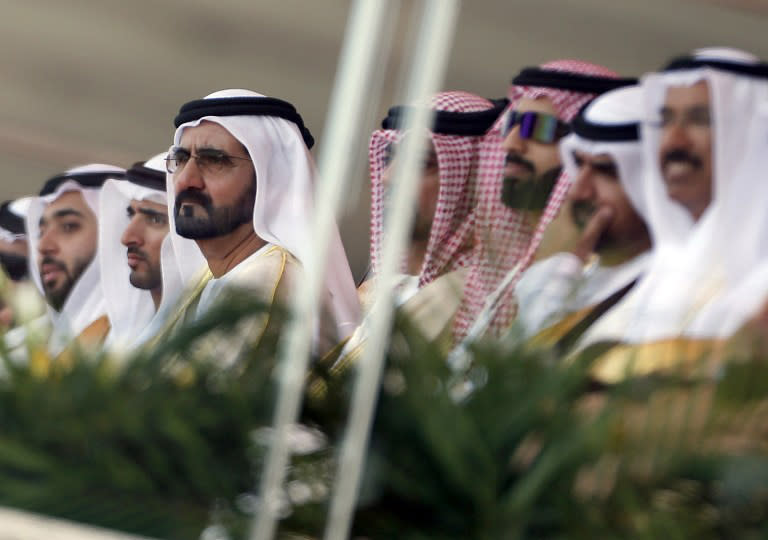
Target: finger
(592, 232)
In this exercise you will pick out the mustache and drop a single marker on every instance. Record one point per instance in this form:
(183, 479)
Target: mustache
(54, 262)
(581, 212)
(192, 196)
(678, 155)
(516, 159)
(133, 250)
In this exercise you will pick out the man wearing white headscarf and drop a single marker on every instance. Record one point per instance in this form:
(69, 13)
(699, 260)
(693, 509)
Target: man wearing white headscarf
(62, 224)
(602, 159)
(706, 150)
(241, 188)
(133, 232)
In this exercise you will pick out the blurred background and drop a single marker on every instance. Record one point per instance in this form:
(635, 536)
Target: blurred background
(101, 80)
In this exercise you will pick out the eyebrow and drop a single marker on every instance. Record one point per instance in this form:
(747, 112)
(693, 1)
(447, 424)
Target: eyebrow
(240, 148)
(64, 212)
(604, 165)
(209, 149)
(152, 213)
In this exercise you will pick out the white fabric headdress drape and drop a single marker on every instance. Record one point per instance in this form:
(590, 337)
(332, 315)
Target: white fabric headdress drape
(619, 107)
(85, 302)
(696, 265)
(12, 216)
(130, 310)
(284, 205)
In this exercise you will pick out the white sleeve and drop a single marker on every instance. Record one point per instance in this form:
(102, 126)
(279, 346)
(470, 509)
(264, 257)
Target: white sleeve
(545, 290)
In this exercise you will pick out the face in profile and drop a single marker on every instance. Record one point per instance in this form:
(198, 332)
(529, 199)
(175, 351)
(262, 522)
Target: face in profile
(532, 164)
(214, 182)
(685, 151)
(428, 193)
(597, 186)
(67, 245)
(143, 237)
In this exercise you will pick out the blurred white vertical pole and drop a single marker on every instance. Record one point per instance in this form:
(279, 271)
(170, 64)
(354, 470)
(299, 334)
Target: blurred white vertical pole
(429, 61)
(341, 135)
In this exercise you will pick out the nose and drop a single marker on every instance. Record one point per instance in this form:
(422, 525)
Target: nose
(47, 244)
(582, 186)
(674, 135)
(513, 142)
(131, 236)
(188, 177)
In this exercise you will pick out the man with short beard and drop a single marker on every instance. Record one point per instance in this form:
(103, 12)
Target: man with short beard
(520, 162)
(132, 231)
(602, 157)
(62, 223)
(241, 185)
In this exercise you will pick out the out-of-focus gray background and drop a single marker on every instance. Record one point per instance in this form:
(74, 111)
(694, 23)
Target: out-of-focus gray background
(101, 80)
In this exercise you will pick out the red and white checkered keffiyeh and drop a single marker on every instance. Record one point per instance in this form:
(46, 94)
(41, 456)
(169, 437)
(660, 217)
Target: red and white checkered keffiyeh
(502, 240)
(451, 236)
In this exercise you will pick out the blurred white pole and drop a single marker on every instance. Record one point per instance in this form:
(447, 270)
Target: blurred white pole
(428, 67)
(349, 99)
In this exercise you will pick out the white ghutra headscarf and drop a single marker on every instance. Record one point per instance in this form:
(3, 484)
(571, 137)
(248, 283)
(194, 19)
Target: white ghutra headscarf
(85, 302)
(131, 310)
(609, 125)
(285, 193)
(697, 266)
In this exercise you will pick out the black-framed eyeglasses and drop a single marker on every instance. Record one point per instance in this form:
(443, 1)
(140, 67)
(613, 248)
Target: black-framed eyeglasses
(539, 126)
(209, 160)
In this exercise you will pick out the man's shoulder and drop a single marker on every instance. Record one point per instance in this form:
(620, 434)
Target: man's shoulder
(432, 308)
(268, 264)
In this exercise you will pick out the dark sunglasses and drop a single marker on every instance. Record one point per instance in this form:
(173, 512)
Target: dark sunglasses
(540, 127)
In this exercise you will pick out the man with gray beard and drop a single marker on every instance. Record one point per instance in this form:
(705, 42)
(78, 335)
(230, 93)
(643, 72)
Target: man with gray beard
(241, 183)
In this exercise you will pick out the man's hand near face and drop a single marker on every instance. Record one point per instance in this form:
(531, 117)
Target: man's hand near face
(592, 232)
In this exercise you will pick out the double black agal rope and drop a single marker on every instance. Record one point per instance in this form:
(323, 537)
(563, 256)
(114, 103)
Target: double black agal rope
(243, 106)
(9, 221)
(758, 69)
(567, 80)
(450, 122)
(87, 180)
(146, 177)
(625, 132)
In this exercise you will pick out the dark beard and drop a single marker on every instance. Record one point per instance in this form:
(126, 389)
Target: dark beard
(529, 193)
(218, 221)
(57, 298)
(152, 279)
